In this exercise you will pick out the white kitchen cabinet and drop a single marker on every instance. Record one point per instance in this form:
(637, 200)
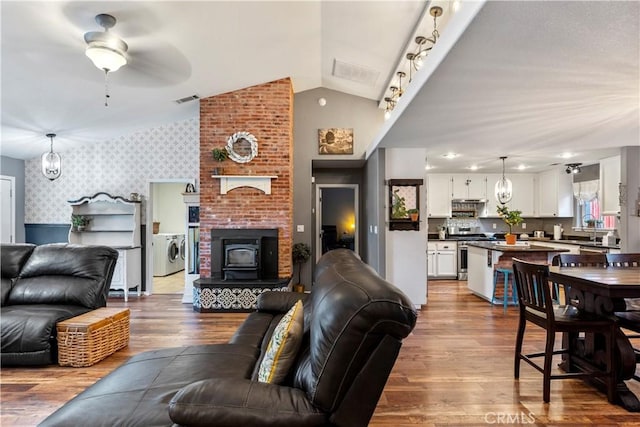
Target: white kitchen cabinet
(523, 197)
(555, 194)
(439, 195)
(610, 185)
(115, 222)
(442, 259)
(492, 204)
(469, 186)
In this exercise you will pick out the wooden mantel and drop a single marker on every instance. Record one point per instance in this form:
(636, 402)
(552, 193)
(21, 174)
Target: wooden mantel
(229, 182)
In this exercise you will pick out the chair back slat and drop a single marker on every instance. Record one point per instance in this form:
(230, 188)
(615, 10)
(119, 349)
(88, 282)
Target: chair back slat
(623, 260)
(581, 260)
(532, 282)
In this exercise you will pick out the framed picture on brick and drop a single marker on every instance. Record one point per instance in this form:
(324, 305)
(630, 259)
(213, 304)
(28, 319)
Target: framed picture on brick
(335, 141)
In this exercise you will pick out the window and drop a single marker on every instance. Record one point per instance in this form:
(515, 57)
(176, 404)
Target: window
(588, 215)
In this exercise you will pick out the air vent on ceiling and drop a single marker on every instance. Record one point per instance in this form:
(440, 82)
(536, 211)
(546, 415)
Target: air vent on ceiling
(355, 73)
(187, 99)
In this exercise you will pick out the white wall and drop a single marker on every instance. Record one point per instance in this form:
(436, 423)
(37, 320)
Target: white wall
(119, 167)
(406, 251)
(169, 207)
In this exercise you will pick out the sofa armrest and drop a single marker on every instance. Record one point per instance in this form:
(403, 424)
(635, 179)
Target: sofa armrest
(279, 302)
(232, 402)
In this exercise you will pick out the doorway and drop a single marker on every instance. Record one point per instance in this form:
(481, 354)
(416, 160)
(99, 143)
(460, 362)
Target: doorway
(337, 217)
(165, 232)
(8, 213)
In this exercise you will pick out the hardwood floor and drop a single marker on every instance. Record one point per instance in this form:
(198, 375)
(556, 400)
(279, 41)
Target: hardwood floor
(456, 368)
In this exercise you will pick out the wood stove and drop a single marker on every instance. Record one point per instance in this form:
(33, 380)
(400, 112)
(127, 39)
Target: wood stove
(244, 254)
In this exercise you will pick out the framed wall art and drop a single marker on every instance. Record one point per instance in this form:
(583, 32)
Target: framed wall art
(335, 141)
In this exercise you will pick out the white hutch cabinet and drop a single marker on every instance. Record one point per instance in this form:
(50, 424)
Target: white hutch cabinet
(113, 221)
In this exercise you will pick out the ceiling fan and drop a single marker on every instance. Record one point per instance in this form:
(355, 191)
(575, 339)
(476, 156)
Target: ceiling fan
(106, 50)
(149, 63)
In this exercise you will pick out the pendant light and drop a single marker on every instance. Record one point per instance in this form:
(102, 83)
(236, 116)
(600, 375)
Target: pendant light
(504, 188)
(51, 162)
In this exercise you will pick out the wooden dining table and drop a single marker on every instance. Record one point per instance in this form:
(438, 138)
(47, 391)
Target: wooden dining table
(601, 291)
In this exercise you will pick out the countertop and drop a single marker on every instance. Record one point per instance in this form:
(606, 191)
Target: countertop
(574, 242)
(492, 246)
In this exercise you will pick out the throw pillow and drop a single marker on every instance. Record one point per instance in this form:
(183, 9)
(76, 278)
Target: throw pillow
(283, 346)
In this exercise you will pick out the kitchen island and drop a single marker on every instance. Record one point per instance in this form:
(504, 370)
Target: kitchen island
(484, 257)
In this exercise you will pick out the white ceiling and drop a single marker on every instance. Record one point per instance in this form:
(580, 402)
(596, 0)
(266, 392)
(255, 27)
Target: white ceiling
(525, 79)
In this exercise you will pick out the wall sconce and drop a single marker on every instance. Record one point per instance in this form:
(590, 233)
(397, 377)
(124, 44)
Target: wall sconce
(51, 162)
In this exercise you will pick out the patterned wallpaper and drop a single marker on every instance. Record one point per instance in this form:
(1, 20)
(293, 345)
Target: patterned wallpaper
(119, 167)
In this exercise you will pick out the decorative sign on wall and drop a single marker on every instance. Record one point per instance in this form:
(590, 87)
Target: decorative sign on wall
(335, 141)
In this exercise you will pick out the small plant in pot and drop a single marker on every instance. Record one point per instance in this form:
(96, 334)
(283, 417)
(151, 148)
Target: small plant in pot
(300, 252)
(220, 155)
(511, 218)
(79, 222)
(413, 214)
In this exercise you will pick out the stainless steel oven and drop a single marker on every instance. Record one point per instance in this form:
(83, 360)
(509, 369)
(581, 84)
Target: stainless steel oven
(463, 251)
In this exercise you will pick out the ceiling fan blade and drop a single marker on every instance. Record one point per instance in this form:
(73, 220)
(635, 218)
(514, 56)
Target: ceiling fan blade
(162, 66)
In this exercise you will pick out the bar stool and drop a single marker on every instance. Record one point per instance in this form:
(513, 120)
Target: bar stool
(507, 284)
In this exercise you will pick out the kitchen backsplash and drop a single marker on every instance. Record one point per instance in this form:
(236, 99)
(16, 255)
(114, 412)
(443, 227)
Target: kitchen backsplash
(120, 166)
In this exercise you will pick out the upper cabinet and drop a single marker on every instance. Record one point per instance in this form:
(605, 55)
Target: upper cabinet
(112, 221)
(469, 186)
(610, 185)
(555, 194)
(523, 198)
(438, 195)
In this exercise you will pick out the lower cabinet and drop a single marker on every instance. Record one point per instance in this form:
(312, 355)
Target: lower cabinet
(127, 274)
(442, 260)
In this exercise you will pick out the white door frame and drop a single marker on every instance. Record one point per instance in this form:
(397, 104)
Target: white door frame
(12, 215)
(149, 230)
(356, 231)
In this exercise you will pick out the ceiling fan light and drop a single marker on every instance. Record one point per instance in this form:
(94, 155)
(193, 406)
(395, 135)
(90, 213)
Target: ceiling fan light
(105, 58)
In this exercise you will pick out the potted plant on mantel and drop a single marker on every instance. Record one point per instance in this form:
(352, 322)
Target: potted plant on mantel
(511, 218)
(220, 155)
(300, 252)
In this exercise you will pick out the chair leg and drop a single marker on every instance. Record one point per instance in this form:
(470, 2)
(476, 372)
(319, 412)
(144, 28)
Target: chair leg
(506, 291)
(519, 338)
(548, 358)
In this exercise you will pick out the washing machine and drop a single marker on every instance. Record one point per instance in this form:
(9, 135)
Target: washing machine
(166, 254)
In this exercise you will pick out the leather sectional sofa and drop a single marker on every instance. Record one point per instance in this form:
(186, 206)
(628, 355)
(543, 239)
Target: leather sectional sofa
(43, 285)
(354, 324)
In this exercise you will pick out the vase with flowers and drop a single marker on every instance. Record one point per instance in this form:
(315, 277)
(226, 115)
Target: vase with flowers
(511, 218)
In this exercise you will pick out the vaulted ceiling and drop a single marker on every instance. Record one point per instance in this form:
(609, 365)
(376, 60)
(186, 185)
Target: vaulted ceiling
(524, 79)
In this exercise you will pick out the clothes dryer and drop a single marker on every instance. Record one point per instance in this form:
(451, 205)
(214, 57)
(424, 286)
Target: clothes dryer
(166, 254)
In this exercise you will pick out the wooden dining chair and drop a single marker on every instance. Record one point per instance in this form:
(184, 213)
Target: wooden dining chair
(575, 260)
(623, 260)
(537, 307)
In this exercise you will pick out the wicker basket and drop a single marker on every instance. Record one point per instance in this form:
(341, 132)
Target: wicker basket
(87, 339)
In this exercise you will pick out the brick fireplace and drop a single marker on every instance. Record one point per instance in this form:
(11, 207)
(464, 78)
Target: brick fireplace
(266, 111)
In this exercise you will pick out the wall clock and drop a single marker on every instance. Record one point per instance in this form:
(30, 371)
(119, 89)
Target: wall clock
(242, 147)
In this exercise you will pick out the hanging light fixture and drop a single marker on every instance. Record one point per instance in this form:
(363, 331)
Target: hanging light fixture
(51, 162)
(504, 188)
(106, 51)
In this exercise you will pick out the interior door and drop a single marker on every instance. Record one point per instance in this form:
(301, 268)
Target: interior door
(8, 209)
(336, 217)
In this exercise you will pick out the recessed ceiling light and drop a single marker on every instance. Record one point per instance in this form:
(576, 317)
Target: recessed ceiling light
(428, 167)
(566, 155)
(473, 167)
(450, 155)
(522, 167)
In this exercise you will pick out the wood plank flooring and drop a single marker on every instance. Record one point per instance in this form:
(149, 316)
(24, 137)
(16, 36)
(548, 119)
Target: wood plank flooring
(456, 368)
